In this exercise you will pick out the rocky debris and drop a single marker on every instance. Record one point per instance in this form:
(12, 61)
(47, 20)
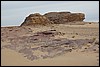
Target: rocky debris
(48, 33)
(36, 18)
(7, 35)
(43, 45)
(64, 17)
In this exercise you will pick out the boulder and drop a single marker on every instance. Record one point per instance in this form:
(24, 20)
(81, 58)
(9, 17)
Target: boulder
(64, 17)
(36, 18)
(54, 18)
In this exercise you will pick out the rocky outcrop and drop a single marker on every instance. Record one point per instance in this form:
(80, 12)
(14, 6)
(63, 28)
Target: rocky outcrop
(64, 17)
(36, 18)
(53, 17)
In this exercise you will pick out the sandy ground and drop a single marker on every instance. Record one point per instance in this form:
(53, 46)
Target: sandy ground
(11, 58)
(74, 58)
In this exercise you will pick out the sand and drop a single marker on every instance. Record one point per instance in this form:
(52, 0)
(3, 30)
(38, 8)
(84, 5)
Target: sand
(75, 58)
(11, 58)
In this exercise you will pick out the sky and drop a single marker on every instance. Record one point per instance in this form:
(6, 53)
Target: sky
(13, 13)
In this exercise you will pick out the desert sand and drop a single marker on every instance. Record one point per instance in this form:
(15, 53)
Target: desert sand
(11, 58)
(14, 45)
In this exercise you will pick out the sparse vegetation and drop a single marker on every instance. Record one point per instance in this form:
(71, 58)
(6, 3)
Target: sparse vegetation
(10, 30)
(85, 48)
(89, 23)
(73, 36)
(16, 30)
(76, 33)
(94, 38)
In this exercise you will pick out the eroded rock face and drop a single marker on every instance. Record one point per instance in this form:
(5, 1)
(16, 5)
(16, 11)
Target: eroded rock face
(35, 19)
(64, 17)
(53, 17)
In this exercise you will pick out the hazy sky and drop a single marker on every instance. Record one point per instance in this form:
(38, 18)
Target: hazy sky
(14, 12)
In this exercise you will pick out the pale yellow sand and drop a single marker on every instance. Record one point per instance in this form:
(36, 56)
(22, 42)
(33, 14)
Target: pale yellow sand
(12, 58)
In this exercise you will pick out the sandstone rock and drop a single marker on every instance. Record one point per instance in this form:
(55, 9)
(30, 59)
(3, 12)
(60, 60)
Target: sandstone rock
(36, 18)
(54, 17)
(64, 17)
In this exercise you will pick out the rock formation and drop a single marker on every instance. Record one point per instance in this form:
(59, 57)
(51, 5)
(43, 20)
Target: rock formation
(53, 17)
(64, 17)
(36, 19)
